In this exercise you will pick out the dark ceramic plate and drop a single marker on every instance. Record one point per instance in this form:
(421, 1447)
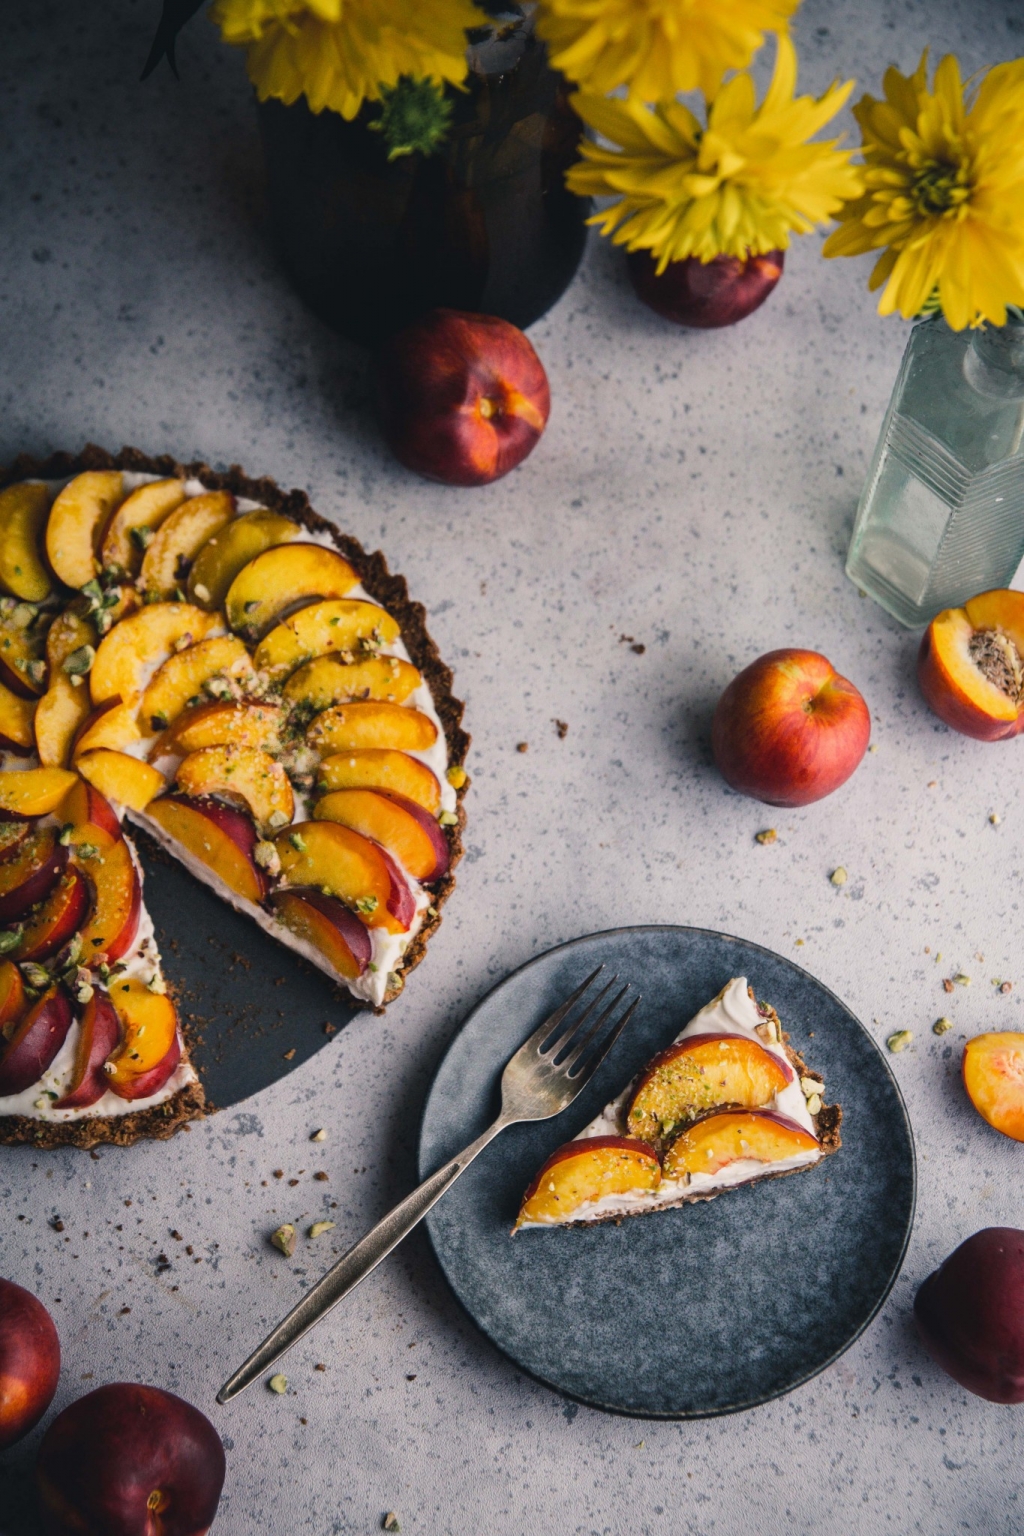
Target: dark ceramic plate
(691, 1312)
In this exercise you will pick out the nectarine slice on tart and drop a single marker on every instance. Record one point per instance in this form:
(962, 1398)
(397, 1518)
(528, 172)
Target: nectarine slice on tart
(246, 772)
(149, 1050)
(12, 834)
(993, 1072)
(230, 549)
(136, 645)
(191, 674)
(13, 1001)
(124, 779)
(696, 1074)
(327, 924)
(24, 509)
(280, 580)
(99, 1035)
(381, 768)
(22, 649)
(17, 722)
(35, 1041)
(253, 724)
(131, 528)
(83, 807)
(70, 647)
(735, 1135)
(179, 538)
(408, 832)
(343, 624)
(113, 921)
(112, 724)
(372, 723)
(31, 872)
(971, 666)
(33, 791)
(583, 1172)
(342, 863)
(326, 681)
(77, 523)
(56, 921)
(218, 835)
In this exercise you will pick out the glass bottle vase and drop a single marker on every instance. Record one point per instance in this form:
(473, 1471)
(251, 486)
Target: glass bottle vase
(941, 517)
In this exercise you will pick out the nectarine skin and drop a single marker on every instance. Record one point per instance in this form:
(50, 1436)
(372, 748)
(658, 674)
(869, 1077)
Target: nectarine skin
(970, 1314)
(788, 729)
(130, 1460)
(580, 1172)
(705, 294)
(29, 1362)
(462, 398)
(36, 1040)
(98, 1037)
(31, 874)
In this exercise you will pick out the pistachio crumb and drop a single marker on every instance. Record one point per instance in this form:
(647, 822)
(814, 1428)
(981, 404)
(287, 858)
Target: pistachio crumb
(448, 819)
(390, 1522)
(320, 1135)
(278, 1384)
(284, 1239)
(814, 1104)
(961, 980)
(769, 835)
(899, 1040)
(839, 876)
(995, 818)
(809, 1086)
(320, 1227)
(941, 1026)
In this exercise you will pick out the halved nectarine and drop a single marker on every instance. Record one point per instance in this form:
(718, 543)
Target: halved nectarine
(282, 578)
(696, 1074)
(17, 722)
(31, 872)
(182, 677)
(57, 920)
(33, 791)
(111, 724)
(246, 772)
(123, 779)
(110, 870)
(221, 725)
(12, 995)
(83, 806)
(373, 723)
(179, 539)
(139, 642)
(319, 629)
(222, 557)
(24, 509)
(99, 1034)
(36, 1040)
(77, 522)
(326, 924)
(582, 1172)
(149, 1050)
(342, 863)
(132, 525)
(993, 1071)
(734, 1134)
(381, 768)
(218, 835)
(408, 832)
(326, 681)
(971, 666)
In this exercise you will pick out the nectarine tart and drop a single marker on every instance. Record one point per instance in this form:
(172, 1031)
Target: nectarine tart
(204, 657)
(728, 1102)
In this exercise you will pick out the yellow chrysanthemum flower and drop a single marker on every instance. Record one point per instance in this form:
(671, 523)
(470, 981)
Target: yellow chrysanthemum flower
(340, 53)
(945, 194)
(735, 188)
(656, 47)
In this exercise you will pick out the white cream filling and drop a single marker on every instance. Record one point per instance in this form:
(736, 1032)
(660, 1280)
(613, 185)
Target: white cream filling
(732, 1012)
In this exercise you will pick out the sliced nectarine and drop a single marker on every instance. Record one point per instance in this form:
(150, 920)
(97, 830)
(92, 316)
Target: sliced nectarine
(12, 994)
(222, 557)
(33, 791)
(339, 625)
(24, 509)
(993, 1070)
(84, 806)
(99, 1034)
(22, 640)
(381, 768)
(130, 529)
(139, 642)
(149, 1050)
(696, 1074)
(70, 631)
(66, 702)
(123, 779)
(110, 870)
(325, 682)
(37, 1038)
(57, 920)
(282, 578)
(182, 678)
(12, 834)
(408, 832)
(179, 539)
(971, 666)
(326, 924)
(218, 835)
(373, 723)
(582, 1172)
(735, 1134)
(246, 772)
(222, 725)
(112, 724)
(77, 521)
(17, 717)
(31, 872)
(342, 863)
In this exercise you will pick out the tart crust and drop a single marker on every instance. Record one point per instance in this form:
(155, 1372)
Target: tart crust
(161, 1121)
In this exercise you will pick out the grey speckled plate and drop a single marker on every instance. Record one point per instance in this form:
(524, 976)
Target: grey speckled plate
(691, 1312)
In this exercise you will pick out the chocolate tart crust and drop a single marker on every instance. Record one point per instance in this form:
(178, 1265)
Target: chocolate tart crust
(163, 1120)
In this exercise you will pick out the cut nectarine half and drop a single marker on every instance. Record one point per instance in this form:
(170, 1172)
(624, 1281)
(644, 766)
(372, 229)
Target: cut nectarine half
(111, 724)
(696, 1074)
(98, 1036)
(246, 772)
(338, 625)
(33, 791)
(221, 725)
(181, 679)
(84, 806)
(342, 863)
(132, 525)
(582, 1172)
(12, 994)
(993, 1071)
(56, 920)
(279, 580)
(230, 549)
(77, 522)
(218, 835)
(24, 509)
(327, 924)
(713, 1143)
(180, 537)
(326, 681)
(17, 722)
(149, 1050)
(121, 778)
(372, 723)
(38, 1036)
(113, 922)
(408, 832)
(971, 666)
(31, 872)
(381, 768)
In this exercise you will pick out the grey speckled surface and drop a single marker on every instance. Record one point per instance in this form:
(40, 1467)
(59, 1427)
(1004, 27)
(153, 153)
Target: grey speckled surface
(693, 491)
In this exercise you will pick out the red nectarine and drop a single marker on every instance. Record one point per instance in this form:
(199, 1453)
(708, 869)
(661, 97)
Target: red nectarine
(705, 294)
(29, 1362)
(970, 1314)
(581, 1172)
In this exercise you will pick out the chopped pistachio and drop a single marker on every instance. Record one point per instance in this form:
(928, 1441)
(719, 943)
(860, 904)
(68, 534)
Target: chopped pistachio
(65, 833)
(814, 1104)
(35, 975)
(298, 842)
(456, 776)
(278, 1384)
(960, 980)
(396, 981)
(267, 857)
(899, 1040)
(284, 1239)
(448, 819)
(142, 537)
(769, 835)
(320, 1135)
(809, 1086)
(202, 592)
(320, 1227)
(80, 661)
(366, 905)
(276, 820)
(839, 876)
(941, 1026)
(390, 1522)
(10, 939)
(157, 984)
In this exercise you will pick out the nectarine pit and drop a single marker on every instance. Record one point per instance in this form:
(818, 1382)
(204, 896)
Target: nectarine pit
(998, 659)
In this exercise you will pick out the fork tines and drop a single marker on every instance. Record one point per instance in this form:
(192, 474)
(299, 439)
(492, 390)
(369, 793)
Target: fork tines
(564, 1048)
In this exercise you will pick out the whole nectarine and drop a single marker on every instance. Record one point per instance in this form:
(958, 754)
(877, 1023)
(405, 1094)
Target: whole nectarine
(970, 1314)
(705, 294)
(462, 398)
(29, 1362)
(788, 729)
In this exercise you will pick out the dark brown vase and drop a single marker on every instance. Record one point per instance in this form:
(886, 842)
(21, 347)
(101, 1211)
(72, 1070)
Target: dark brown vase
(485, 224)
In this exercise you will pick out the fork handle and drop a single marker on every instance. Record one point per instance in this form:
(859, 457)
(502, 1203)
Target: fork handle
(355, 1265)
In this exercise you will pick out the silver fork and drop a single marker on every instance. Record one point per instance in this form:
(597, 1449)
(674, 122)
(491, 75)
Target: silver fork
(540, 1080)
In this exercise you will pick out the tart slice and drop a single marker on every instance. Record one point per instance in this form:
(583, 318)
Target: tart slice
(727, 1103)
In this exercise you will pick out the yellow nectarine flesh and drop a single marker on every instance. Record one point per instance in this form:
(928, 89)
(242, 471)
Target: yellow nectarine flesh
(971, 666)
(22, 655)
(338, 625)
(149, 1024)
(34, 791)
(247, 773)
(112, 725)
(77, 522)
(279, 580)
(12, 993)
(17, 717)
(372, 723)
(377, 817)
(583, 1172)
(222, 557)
(59, 715)
(699, 1073)
(222, 725)
(310, 925)
(713, 1143)
(341, 863)
(24, 510)
(381, 768)
(179, 539)
(123, 779)
(139, 642)
(107, 865)
(327, 681)
(211, 845)
(141, 513)
(183, 676)
(993, 1071)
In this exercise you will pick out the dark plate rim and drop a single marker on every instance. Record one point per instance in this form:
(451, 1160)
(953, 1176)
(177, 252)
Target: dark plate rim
(754, 1402)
